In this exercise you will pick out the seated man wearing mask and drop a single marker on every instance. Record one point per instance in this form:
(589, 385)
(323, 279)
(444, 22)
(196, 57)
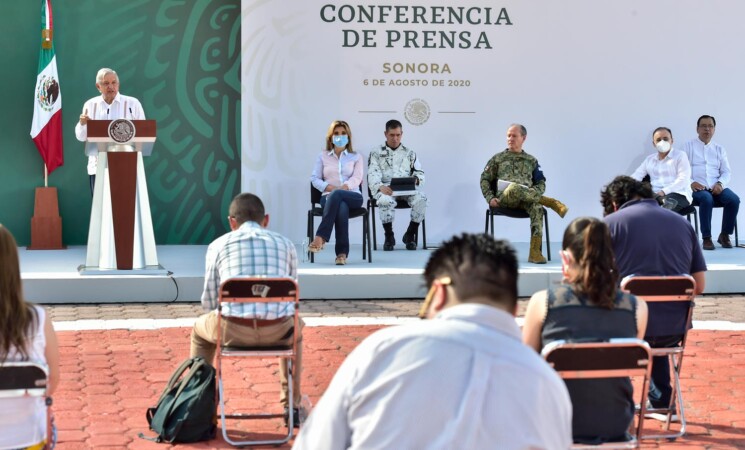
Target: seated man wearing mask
(669, 172)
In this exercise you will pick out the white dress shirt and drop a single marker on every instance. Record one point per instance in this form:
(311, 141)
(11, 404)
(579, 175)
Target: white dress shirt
(672, 174)
(463, 380)
(709, 163)
(122, 107)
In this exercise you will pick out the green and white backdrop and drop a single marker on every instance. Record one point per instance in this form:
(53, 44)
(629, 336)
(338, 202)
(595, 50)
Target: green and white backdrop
(243, 92)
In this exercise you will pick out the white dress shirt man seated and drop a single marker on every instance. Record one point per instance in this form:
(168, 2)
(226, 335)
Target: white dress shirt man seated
(669, 172)
(462, 379)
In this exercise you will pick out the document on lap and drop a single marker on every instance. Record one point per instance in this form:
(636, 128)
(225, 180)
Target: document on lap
(502, 185)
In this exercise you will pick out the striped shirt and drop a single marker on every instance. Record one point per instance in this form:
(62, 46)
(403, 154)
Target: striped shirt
(251, 250)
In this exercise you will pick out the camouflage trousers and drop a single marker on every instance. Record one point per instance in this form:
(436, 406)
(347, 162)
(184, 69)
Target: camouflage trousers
(387, 205)
(520, 197)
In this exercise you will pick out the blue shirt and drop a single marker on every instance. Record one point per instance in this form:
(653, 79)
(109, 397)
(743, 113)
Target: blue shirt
(251, 250)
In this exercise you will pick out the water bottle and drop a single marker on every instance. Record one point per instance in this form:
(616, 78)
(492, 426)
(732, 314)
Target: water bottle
(304, 257)
(304, 409)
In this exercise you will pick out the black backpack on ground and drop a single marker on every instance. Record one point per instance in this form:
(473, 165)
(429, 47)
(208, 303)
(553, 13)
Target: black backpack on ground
(186, 410)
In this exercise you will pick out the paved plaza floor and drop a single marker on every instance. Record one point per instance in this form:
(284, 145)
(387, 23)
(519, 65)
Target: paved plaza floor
(116, 359)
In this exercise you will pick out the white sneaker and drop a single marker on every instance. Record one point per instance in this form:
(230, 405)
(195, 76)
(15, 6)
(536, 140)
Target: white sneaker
(661, 417)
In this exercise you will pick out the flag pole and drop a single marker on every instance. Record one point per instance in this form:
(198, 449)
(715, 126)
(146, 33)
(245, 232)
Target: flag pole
(46, 176)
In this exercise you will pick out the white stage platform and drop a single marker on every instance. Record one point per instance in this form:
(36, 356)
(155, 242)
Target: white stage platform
(51, 276)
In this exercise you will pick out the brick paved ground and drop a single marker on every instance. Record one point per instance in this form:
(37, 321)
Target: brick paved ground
(719, 307)
(110, 377)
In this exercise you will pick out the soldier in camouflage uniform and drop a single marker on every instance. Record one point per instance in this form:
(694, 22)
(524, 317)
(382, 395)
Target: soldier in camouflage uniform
(527, 188)
(394, 160)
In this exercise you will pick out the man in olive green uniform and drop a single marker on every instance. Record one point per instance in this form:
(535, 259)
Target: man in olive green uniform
(526, 191)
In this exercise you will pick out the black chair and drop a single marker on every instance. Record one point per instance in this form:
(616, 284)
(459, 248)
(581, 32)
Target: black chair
(400, 204)
(659, 291)
(317, 211)
(26, 380)
(687, 211)
(515, 213)
(615, 358)
(695, 214)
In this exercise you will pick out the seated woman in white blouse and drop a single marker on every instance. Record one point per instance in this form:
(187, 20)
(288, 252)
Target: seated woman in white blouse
(26, 334)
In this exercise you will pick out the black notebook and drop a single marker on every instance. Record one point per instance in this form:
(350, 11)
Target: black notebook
(403, 185)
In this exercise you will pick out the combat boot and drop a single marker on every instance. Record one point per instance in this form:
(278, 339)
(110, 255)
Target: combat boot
(410, 237)
(560, 208)
(535, 256)
(390, 239)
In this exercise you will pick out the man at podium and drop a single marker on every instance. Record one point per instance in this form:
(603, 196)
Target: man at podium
(117, 136)
(110, 105)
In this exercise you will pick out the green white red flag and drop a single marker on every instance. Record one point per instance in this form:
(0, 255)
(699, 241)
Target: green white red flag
(46, 128)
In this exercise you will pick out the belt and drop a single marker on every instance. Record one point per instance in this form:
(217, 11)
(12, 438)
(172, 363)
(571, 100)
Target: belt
(256, 323)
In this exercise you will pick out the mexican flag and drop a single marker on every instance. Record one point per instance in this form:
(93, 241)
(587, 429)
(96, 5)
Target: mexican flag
(46, 128)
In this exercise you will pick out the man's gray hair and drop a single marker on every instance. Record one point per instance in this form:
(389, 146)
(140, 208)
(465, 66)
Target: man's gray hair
(523, 130)
(103, 72)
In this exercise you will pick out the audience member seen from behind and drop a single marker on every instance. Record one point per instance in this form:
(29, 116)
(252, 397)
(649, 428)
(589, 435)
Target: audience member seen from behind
(461, 379)
(26, 334)
(668, 171)
(588, 304)
(650, 240)
(250, 250)
(338, 175)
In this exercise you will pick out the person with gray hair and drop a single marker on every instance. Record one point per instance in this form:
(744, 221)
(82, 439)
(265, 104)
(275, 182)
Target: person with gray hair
(513, 179)
(110, 105)
(460, 379)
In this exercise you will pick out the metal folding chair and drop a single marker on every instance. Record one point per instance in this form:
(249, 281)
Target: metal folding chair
(26, 380)
(257, 290)
(660, 292)
(615, 358)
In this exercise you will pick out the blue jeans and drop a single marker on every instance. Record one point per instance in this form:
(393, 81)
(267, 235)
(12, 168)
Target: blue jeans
(336, 208)
(706, 201)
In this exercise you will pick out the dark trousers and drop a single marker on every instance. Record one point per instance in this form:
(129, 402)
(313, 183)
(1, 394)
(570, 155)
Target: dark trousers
(660, 389)
(706, 201)
(336, 208)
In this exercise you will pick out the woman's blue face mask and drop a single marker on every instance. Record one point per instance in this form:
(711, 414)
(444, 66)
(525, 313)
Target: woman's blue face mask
(341, 140)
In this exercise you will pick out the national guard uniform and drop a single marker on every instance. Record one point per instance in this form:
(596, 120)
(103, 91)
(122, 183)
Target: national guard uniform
(386, 163)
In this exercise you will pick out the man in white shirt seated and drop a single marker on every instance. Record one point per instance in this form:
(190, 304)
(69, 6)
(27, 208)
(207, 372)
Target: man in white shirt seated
(462, 379)
(669, 172)
(710, 178)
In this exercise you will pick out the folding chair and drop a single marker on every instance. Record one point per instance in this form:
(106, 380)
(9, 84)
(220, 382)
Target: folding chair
(664, 292)
(257, 290)
(615, 358)
(516, 213)
(317, 211)
(400, 204)
(27, 380)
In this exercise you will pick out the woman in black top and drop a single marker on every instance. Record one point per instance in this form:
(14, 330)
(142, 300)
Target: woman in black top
(589, 305)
